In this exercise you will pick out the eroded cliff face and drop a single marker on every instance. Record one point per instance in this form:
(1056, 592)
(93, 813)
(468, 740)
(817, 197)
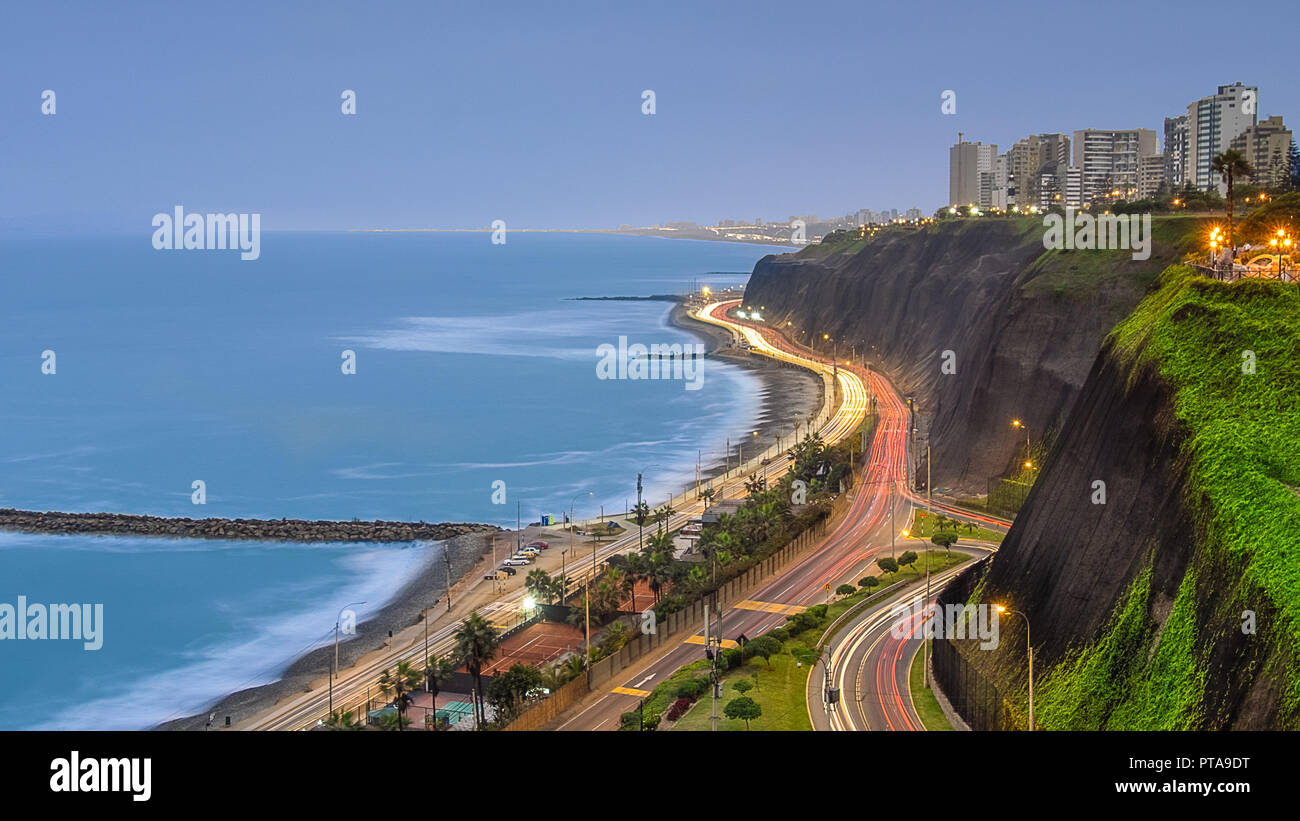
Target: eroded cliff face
(1152, 555)
(1024, 326)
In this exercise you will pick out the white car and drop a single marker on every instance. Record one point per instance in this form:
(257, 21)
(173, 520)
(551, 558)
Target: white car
(515, 562)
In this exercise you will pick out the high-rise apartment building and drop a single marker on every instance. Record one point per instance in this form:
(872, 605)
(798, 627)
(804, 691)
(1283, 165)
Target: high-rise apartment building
(1267, 147)
(1151, 175)
(1029, 160)
(1212, 124)
(1109, 160)
(1176, 151)
(966, 162)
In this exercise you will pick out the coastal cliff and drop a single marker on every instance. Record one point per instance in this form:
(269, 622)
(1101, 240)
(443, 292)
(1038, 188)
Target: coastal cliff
(1173, 600)
(1024, 324)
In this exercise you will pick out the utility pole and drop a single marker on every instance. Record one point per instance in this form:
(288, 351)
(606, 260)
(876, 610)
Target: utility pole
(892, 531)
(929, 503)
(446, 558)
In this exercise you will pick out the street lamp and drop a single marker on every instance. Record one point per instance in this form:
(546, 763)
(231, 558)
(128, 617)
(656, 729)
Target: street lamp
(640, 516)
(1030, 649)
(1016, 423)
(1281, 243)
(335, 671)
(573, 525)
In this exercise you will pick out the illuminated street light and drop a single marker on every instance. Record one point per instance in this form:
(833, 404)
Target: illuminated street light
(1030, 647)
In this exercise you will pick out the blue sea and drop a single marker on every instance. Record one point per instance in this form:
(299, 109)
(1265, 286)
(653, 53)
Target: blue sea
(474, 365)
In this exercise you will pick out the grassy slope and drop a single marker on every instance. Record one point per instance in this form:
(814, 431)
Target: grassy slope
(1243, 447)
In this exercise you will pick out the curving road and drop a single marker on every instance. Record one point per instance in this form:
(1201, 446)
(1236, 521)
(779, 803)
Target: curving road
(836, 421)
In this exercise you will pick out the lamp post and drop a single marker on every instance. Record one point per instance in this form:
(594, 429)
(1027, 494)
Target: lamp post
(1016, 423)
(1280, 243)
(335, 671)
(573, 525)
(1030, 649)
(640, 516)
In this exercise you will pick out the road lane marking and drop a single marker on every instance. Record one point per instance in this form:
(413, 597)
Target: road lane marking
(630, 691)
(770, 607)
(727, 643)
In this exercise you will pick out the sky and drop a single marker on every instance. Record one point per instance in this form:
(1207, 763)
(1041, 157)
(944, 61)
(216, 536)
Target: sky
(532, 112)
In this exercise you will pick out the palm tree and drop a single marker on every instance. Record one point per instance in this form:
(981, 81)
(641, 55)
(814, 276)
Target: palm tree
(392, 721)
(436, 671)
(399, 686)
(476, 642)
(343, 720)
(1229, 164)
(538, 583)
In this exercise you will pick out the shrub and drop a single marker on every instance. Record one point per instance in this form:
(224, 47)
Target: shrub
(691, 688)
(679, 707)
(818, 612)
(868, 581)
(845, 590)
(731, 658)
(779, 633)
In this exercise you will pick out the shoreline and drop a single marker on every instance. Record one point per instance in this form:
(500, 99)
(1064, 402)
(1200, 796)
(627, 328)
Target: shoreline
(787, 392)
(401, 611)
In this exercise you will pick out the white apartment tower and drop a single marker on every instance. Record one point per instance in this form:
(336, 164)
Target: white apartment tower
(1212, 124)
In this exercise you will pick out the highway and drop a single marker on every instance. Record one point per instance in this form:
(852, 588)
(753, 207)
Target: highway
(845, 555)
(304, 710)
(871, 663)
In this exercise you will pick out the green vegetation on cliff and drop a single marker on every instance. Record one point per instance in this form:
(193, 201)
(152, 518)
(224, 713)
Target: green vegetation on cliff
(1230, 357)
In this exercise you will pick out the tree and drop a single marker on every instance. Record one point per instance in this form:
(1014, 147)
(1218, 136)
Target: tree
(887, 565)
(845, 590)
(908, 558)
(743, 686)
(392, 720)
(476, 642)
(509, 690)
(744, 707)
(436, 671)
(764, 647)
(539, 584)
(868, 582)
(1230, 164)
(944, 540)
(399, 686)
(343, 720)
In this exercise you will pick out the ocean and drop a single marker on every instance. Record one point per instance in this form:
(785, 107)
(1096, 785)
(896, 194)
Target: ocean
(179, 375)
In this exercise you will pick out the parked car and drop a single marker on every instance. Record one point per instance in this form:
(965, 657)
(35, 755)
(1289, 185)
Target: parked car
(516, 561)
(523, 557)
(531, 551)
(509, 571)
(538, 543)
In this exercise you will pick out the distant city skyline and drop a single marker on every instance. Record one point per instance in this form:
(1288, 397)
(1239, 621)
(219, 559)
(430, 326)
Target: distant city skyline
(534, 116)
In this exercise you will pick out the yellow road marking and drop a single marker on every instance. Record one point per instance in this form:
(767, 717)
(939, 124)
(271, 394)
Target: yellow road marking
(631, 691)
(770, 607)
(700, 640)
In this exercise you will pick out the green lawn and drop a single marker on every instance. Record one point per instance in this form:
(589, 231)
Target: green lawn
(921, 527)
(780, 692)
(927, 706)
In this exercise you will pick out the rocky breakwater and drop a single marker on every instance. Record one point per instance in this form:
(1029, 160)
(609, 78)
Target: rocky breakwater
(276, 530)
